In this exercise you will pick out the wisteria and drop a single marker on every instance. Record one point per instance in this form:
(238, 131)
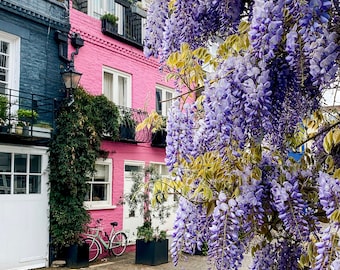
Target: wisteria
(240, 190)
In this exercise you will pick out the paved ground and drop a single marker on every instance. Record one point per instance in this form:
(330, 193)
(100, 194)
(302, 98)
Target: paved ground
(127, 262)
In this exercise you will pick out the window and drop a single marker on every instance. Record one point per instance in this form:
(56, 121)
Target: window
(20, 173)
(164, 98)
(9, 61)
(117, 86)
(99, 194)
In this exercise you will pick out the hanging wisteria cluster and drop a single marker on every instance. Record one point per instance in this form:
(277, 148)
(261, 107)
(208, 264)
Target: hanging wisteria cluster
(229, 152)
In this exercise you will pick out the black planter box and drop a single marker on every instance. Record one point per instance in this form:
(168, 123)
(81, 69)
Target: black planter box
(152, 253)
(77, 256)
(109, 28)
(127, 133)
(159, 138)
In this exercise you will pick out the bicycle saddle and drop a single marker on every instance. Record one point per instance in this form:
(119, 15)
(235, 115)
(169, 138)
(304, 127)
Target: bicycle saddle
(114, 224)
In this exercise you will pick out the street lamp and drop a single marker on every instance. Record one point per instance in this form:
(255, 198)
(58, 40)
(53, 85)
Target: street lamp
(71, 77)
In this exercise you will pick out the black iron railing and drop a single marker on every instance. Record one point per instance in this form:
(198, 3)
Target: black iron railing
(128, 120)
(26, 115)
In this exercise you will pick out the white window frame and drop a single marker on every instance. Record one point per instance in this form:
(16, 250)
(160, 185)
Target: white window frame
(97, 8)
(44, 164)
(165, 104)
(114, 92)
(14, 59)
(97, 205)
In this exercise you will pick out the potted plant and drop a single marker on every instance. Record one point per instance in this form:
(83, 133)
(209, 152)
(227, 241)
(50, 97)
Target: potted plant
(74, 148)
(3, 113)
(127, 125)
(26, 117)
(109, 23)
(157, 124)
(151, 243)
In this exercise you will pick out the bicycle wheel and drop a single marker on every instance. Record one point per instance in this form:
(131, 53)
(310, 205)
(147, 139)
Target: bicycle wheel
(118, 243)
(94, 248)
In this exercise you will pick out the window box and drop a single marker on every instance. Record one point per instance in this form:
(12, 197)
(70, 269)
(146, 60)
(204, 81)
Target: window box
(109, 28)
(159, 138)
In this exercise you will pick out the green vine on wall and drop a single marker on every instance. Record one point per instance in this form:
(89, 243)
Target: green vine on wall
(73, 150)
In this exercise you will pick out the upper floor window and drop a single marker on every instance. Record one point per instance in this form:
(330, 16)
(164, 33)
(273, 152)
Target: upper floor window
(99, 194)
(20, 173)
(164, 98)
(117, 86)
(9, 61)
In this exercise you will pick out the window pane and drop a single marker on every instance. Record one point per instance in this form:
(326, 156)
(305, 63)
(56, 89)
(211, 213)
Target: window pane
(101, 173)
(35, 184)
(158, 101)
(19, 184)
(132, 168)
(122, 88)
(5, 184)
(169, 102)
(35, 164)
(20, 161)
(164, 170)
(99, 192)
(108, 85)
(5, 162)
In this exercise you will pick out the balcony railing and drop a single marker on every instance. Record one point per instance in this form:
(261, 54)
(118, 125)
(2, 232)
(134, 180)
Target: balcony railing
(28, 117)
(130, 24)
(128, 120)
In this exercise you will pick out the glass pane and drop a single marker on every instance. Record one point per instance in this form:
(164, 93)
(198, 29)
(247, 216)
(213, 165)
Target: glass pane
(101, 173)
(158, 101)
(169, 102)
(35, 164)
(122, 88)
(164, 170)
(5, 162)
(132, 168)
(88, 194)
(5, 184)
(19, 184)
(35, 184)
(99, 192)
(108, 85)
(4, 47)
(20, 161)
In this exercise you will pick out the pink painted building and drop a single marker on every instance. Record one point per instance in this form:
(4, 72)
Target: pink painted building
(113, 64)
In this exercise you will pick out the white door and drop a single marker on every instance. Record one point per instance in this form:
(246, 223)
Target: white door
(24, 208)
(133, 218)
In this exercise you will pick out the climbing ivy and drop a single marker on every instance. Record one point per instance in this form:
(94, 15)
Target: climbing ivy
(73, 150)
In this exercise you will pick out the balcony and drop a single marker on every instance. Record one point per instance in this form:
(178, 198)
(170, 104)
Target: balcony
(128, 120)
(129, 28)
(25, 118)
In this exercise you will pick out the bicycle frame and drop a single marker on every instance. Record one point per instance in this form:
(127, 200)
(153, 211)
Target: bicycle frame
(97, 236)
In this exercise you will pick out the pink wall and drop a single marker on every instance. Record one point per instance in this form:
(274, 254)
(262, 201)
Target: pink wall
(99, 50)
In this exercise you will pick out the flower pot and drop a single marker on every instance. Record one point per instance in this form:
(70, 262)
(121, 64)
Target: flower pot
(77, 256)
(4, 129)
(159, 138)
(127, 133)
(25, 131)
(151, 253)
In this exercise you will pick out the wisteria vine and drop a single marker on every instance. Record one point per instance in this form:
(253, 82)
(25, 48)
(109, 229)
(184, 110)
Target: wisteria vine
(252, 196)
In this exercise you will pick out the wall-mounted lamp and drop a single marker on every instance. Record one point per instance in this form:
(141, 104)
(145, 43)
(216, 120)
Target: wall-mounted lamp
(70, 76)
